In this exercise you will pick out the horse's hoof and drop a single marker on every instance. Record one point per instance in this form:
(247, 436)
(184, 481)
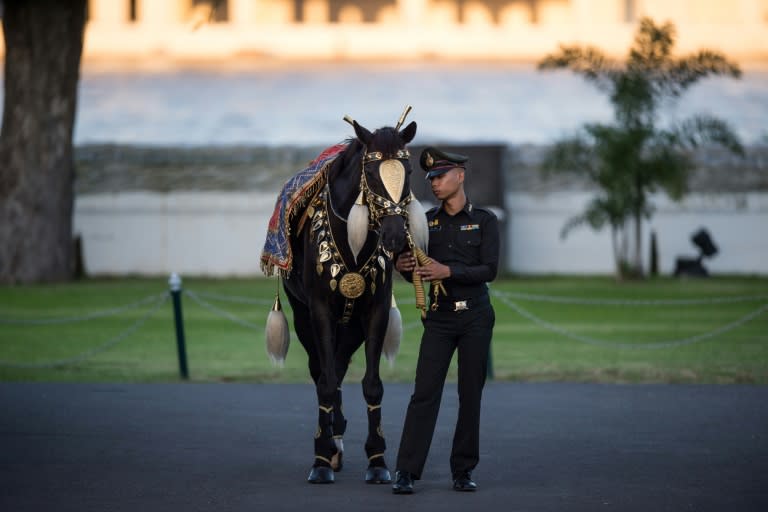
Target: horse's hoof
(320, 475)
(378, 475)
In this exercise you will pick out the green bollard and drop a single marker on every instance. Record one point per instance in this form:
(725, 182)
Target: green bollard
(175, 282)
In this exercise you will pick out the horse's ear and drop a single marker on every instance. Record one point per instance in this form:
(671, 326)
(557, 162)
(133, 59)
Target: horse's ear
(362, 133)
(408, 133)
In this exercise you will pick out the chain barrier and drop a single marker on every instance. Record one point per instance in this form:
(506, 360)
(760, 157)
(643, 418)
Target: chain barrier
(630, 302)
(652, 345)
(220, 312)
(83, 318)
(232, 298)
(159, 301)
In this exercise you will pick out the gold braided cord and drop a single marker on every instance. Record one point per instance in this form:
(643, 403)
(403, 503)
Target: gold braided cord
(327, 410)
(373, 407)
(323, 459)
(437, 284)
(376, 456)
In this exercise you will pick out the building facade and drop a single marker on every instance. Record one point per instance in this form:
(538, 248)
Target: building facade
(415, 29)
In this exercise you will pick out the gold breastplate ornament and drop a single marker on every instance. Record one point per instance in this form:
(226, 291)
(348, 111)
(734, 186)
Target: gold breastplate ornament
(350, 284)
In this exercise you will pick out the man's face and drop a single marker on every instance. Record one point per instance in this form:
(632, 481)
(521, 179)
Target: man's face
(447, 184)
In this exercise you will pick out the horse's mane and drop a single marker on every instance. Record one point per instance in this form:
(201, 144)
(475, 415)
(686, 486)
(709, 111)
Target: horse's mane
(352, 155)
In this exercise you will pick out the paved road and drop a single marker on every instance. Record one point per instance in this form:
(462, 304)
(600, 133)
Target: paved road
(248, 447)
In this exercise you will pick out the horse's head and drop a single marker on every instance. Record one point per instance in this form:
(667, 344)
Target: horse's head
(385, 182)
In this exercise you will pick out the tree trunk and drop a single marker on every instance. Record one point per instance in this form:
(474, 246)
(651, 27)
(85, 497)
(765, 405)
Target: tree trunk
(43, 44)
(638, 259)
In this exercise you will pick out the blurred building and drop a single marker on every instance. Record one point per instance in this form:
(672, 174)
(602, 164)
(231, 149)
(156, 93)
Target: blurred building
(363, 29)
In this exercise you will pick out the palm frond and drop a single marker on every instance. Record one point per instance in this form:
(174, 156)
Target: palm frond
(683, 73)
(703, 129)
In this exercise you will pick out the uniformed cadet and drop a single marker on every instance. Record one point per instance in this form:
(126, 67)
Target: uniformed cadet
(464, 247)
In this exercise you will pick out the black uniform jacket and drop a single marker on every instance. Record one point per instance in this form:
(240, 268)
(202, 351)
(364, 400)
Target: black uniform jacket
(468, 243)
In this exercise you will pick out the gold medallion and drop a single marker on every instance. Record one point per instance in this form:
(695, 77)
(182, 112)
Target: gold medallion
(333, 285)
(352, 285)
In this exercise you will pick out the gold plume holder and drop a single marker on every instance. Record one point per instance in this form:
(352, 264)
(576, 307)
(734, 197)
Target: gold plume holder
(400, 121)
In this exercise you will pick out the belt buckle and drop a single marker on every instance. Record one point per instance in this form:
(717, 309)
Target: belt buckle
(460, 305)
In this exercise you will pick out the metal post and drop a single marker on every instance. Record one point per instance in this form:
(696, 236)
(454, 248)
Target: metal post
(175, 282)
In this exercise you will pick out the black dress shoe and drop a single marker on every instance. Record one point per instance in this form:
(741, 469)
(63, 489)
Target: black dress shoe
(403, 483)
(464, 483)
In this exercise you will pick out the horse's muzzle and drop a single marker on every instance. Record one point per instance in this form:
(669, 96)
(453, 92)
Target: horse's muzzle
(393, 233)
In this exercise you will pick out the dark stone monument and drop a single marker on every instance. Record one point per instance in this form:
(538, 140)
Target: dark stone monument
(694, 267)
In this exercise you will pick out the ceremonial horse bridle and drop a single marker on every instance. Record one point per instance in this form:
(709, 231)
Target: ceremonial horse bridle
(392, 175)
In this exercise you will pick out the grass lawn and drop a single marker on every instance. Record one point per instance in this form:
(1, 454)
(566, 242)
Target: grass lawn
(547, 329)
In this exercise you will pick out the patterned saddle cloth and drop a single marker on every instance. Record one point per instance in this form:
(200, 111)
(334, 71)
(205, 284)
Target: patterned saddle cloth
(292, 202)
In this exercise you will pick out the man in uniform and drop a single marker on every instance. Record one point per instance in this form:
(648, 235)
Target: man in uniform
(464, 249)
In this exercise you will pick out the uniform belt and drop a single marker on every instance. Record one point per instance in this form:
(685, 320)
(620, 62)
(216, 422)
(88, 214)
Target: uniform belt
(453, 304)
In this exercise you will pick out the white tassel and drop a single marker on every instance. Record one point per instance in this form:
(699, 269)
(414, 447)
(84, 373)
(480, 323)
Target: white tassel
(357, 226)
(277, 335)
(417, 223)
(393, 334)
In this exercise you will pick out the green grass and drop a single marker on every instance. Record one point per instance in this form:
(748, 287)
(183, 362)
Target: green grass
(219, 349)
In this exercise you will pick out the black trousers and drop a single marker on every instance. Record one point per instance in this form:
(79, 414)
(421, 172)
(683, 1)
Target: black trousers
(469, 332)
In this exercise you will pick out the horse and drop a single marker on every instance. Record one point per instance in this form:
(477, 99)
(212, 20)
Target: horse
(339, 285)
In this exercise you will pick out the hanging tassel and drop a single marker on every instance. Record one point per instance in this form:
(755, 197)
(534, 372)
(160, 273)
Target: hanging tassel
(357, 226)
(393, 334)
(277, 335)
(417, 223)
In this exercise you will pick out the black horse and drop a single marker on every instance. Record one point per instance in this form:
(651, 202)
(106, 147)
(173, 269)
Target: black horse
(340, 284)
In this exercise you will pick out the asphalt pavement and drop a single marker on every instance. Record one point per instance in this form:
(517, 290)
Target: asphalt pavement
(248, 447)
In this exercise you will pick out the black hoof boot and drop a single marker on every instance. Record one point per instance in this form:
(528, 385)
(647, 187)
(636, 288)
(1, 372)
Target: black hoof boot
(377, 475)
(320, 475)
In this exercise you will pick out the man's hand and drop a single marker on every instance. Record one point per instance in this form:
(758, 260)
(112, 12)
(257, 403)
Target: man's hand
(406, 262)
(434, 270)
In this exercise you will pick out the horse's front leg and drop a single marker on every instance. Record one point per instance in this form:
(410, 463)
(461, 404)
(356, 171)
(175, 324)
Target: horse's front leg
(325, 448)
(373, 391)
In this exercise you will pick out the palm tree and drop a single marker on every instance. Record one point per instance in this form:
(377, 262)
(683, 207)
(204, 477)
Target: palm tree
(634, 157)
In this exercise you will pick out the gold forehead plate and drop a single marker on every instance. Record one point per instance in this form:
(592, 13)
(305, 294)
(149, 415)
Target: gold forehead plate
(392, 173)
(429, 160)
